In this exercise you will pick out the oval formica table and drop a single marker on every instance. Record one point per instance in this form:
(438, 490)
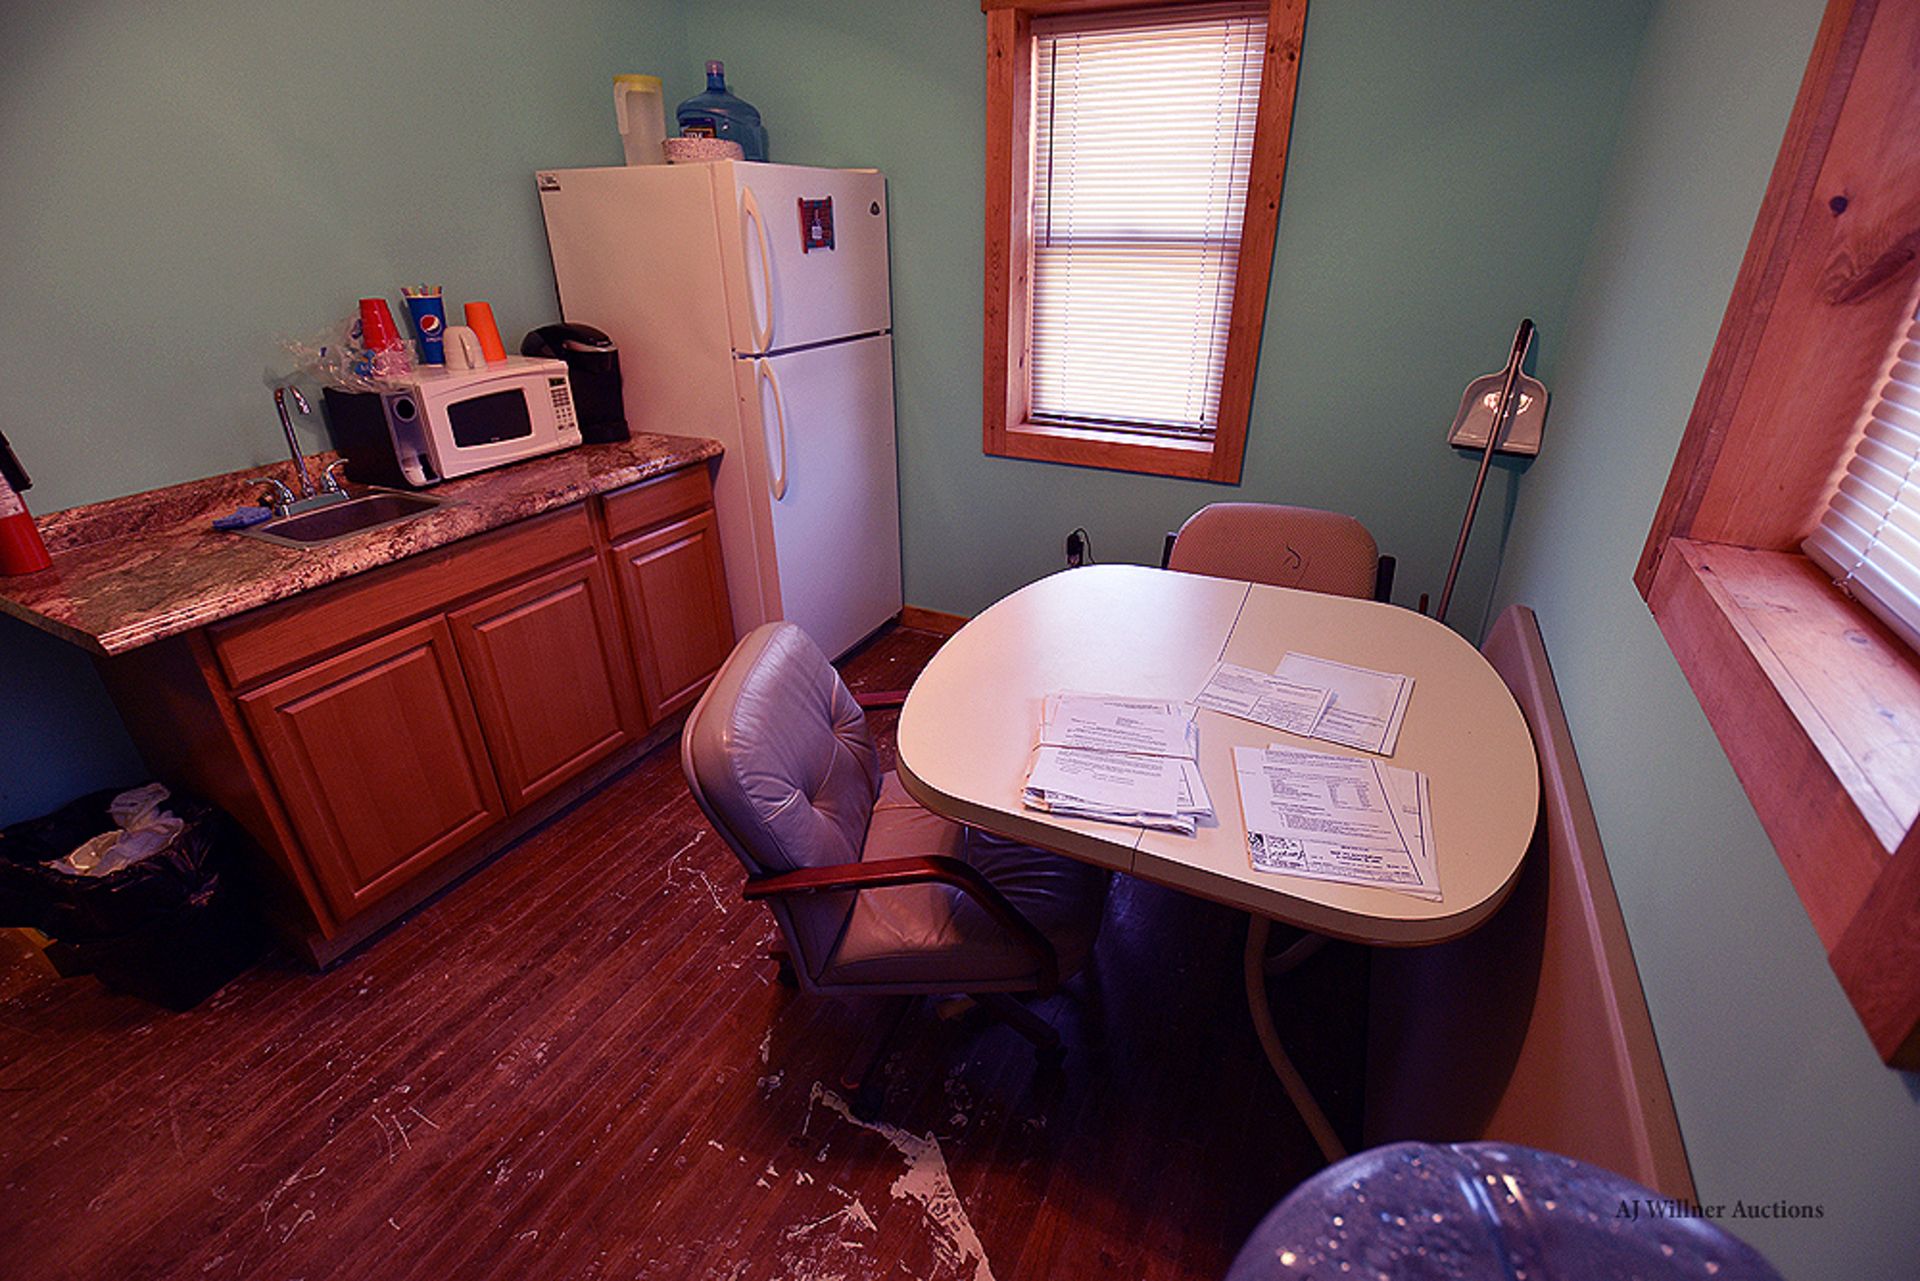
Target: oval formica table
(969, 722)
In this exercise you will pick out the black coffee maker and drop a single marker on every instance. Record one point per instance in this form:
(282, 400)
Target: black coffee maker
(593, 367)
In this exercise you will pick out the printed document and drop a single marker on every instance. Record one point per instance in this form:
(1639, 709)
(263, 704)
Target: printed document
(1096, 723)
(1118, 760)
(1367, 707)
(1275, 701)
(1094, 784)
(1336, 818)
(1407, 789)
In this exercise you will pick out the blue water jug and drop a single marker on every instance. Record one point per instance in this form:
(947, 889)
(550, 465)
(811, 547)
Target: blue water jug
(718, 114)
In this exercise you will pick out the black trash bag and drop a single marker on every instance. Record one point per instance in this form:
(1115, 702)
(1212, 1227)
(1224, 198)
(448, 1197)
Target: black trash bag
(172, 928)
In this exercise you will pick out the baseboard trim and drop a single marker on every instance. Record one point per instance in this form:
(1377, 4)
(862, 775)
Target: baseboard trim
(931, 620)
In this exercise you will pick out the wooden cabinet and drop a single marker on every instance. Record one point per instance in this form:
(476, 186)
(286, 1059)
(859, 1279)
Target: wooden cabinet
(378, 759)
(274, 639)
(675, 590)
(383, 734)
(550, 677)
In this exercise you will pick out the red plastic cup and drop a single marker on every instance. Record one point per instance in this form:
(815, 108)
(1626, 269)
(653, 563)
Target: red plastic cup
(377, 329)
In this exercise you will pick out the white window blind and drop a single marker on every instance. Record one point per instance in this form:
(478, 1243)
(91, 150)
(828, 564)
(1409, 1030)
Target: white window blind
(1869, 537)
(1143, 131)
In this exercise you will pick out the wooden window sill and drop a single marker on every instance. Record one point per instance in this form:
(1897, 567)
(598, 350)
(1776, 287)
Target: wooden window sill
(1816, 703)
(1115, 450)
(1814, 700)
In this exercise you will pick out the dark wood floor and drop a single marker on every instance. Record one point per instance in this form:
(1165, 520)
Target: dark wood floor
(577, 1064)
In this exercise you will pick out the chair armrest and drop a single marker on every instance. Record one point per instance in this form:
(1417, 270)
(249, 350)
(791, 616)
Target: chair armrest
(918, 870)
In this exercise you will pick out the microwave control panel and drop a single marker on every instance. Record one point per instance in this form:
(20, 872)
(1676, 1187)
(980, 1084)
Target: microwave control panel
(563, 415)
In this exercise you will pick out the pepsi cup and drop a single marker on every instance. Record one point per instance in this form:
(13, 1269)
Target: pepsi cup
(429, 315)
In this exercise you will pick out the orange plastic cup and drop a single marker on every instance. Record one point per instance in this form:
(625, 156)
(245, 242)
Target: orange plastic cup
(480, 320)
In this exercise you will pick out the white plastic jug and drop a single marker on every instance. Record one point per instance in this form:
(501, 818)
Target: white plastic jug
(640, 106)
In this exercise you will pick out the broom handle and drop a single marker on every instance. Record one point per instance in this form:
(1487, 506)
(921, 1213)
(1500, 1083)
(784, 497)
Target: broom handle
(1522, 339)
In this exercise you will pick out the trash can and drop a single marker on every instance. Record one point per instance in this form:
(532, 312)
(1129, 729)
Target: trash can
(136, 888)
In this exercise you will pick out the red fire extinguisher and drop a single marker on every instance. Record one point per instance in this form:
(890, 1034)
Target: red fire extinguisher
(21, 550)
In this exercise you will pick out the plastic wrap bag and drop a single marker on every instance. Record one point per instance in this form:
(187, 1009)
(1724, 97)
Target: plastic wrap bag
(337, 357)
(141, 830)
(80, 908)
(170, 927)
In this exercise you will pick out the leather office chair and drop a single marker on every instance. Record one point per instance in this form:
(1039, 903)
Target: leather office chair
(1315, 551)
(874, 894)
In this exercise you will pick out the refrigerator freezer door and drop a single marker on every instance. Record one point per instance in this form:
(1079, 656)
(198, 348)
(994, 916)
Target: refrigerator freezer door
(836, 521)
(823, 274)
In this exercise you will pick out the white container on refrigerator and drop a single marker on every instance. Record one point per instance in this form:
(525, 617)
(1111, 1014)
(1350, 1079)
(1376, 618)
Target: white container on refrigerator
(730, 326)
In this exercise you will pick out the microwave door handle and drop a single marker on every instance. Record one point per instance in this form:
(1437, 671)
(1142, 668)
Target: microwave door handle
(776, 452)
(762, 328)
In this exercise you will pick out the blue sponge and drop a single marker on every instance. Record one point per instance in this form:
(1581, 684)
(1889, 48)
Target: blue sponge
(243, 517)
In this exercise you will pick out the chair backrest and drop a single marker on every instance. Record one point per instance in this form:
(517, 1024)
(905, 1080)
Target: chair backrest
(778, 756)
(1301, 547)
(1532, 1029)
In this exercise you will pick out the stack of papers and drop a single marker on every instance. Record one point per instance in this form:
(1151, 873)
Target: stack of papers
(1337, 818)
(1118, 760)
(1315, 698)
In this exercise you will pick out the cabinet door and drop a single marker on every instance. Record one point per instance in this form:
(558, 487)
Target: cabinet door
(549, 676)
(676, 595)
(378, 758)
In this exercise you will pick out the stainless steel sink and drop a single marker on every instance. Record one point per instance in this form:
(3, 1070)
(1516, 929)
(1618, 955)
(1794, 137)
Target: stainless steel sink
(351, 516)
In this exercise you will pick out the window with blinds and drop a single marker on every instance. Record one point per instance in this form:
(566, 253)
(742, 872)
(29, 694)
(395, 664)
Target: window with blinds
(1143, 130)
(1869, 536)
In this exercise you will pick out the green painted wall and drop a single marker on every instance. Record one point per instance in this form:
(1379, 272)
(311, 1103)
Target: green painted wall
(1446, 164)
(59, 734)
(189, 184)
(1779, 1093)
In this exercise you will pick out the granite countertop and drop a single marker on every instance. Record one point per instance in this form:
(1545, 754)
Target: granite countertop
(134, 570)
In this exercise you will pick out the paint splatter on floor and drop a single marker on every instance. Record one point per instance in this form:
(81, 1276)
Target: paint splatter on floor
(926, 1180)
(829, 1248)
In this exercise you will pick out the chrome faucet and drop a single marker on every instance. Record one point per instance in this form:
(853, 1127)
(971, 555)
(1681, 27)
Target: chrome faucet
(293, 442)
(278, 497)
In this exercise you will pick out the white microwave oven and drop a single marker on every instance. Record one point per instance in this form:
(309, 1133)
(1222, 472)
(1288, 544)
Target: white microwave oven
(438, 423)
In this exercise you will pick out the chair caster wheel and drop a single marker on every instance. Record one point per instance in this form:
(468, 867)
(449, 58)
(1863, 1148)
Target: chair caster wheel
(785, 976)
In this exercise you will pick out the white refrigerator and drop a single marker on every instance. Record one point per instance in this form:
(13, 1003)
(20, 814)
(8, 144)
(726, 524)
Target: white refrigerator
(750, 304)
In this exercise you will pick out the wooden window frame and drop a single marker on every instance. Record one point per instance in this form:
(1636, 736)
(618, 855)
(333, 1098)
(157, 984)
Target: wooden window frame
(1815, 701)
(1008, 431)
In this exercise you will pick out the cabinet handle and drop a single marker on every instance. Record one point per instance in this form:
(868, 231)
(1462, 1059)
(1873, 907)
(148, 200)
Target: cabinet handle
(776, 476)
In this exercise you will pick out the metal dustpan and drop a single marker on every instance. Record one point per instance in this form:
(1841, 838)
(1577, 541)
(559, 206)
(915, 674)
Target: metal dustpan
(1500, 413)
(1480, 405)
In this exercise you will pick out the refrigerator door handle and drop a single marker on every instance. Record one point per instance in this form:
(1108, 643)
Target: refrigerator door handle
(776, 474)
(750, 212)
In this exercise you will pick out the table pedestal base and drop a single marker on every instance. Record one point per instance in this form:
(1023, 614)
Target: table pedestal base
(1258, 928)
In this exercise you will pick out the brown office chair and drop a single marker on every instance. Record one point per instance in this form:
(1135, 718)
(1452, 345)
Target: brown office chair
(1301, 547)
(874, 894)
